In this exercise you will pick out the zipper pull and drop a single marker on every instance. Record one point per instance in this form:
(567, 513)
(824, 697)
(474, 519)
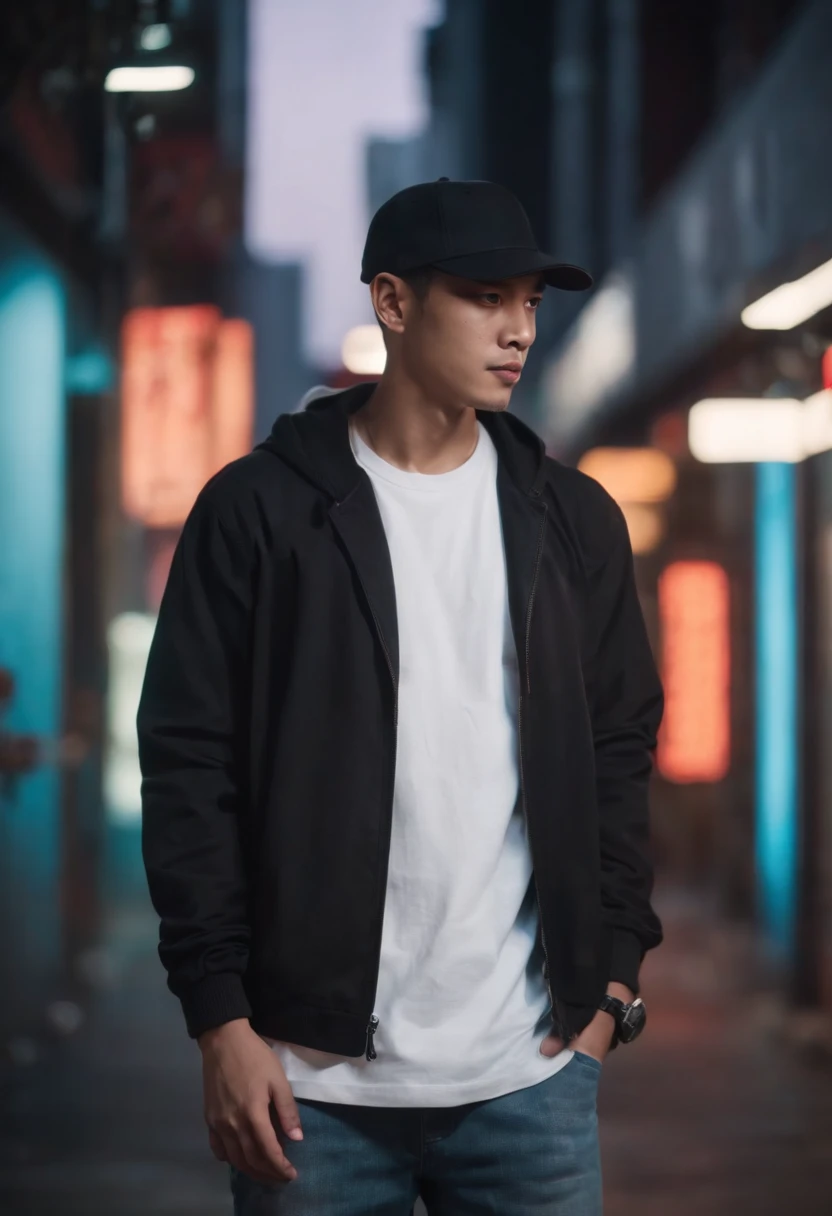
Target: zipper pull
(371, 1029)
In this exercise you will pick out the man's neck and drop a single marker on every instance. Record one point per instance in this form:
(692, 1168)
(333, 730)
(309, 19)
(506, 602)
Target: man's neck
(413, 433)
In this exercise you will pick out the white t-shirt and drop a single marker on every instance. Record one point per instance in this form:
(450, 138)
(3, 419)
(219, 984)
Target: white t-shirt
(461, 1001)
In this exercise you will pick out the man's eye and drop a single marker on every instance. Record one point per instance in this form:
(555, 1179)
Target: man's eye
(490, 297)
(536, 302)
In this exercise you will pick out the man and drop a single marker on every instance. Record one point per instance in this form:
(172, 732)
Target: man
(396, 738)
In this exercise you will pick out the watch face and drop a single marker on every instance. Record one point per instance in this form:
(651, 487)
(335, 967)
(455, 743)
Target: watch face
(633, 1021)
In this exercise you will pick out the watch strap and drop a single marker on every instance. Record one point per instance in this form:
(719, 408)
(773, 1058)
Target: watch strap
(617, 1008)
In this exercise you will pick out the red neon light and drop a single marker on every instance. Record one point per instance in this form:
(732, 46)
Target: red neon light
(187, 406)
(694, 607)
(826, 367)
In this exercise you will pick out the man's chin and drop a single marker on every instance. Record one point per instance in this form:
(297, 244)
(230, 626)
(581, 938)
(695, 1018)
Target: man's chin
(494, 400)
(494, 407)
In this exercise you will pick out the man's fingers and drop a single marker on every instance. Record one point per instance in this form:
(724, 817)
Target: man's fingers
(288, 1116)
(265, 1159)
(233, 1153)
(217, 1146)
(268, 1145)
(236, 1156)
(551, 1045)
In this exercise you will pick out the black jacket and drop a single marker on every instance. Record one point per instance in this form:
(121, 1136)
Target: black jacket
(267, 733)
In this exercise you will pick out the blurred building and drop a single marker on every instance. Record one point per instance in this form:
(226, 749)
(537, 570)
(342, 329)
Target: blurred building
(271, 298)
(56, 373)
(393, 165)
(727, 192)
(110, 201)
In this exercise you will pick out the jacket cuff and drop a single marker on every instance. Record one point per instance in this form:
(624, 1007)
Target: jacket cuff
(214, 1000)
(625, 961)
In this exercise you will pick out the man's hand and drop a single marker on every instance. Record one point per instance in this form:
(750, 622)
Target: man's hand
(595, 1039)
(241, 1077)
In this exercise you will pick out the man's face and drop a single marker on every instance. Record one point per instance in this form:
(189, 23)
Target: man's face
(465, 343)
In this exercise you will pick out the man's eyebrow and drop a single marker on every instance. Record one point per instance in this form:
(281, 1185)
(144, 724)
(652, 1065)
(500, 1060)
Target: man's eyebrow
(540, 286)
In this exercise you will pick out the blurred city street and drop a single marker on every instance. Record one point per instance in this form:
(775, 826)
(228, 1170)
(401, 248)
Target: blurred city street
(186, 188)
(707, 1116)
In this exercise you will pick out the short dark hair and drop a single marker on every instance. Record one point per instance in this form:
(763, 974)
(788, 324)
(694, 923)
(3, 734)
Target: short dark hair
(419, 282)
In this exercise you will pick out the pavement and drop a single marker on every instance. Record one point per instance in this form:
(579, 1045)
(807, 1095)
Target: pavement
(708, 1115)
(714, 1113)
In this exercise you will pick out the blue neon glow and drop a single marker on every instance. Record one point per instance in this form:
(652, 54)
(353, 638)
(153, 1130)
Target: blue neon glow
(32, 423)
(777, 692)
(91, 371)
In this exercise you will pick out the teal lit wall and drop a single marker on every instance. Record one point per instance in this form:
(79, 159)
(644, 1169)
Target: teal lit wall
(32, 423)
(776, 645)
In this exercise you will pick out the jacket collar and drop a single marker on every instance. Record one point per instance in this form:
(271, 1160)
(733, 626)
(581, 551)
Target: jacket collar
(317, 443)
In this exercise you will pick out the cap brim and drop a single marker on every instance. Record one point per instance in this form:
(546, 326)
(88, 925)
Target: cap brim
(497, 264)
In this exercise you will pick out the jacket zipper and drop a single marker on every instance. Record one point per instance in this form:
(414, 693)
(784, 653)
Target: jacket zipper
(370, 1052)
(530, 607)
(372, 1025)
(547, 973)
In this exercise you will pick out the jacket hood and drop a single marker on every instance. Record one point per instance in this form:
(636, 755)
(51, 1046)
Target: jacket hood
(315, 443)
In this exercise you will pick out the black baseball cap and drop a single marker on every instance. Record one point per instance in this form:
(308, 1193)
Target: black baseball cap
(477, 230)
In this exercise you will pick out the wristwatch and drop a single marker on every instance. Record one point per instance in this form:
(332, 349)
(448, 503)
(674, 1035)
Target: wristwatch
(629, 1019)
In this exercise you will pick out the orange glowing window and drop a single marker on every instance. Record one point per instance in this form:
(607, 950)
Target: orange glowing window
(695, 738)
(187, 406)
(233, 393)
(640, 475)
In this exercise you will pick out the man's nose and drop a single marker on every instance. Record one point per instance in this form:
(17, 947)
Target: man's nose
(521, 331)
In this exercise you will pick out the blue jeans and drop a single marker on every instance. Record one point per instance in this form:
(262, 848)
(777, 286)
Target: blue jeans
(532, 1151)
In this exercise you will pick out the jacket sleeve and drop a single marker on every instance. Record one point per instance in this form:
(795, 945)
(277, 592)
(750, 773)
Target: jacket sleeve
(626, 704)
(193, 767)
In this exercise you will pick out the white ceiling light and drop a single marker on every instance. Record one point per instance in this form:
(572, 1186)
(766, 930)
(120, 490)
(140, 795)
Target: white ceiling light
(792, 303)
(817, 422)
(155, 37)
(161, 78)
(735, 430)
(363, 351)
(744, 429)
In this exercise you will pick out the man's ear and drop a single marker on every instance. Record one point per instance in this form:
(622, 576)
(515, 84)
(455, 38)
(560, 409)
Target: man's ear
(390, 300)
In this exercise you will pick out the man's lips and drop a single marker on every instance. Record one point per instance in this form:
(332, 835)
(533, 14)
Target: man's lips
(509, 373)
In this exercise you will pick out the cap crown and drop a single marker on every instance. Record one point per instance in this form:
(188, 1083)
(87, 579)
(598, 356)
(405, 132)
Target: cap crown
(434, 221)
